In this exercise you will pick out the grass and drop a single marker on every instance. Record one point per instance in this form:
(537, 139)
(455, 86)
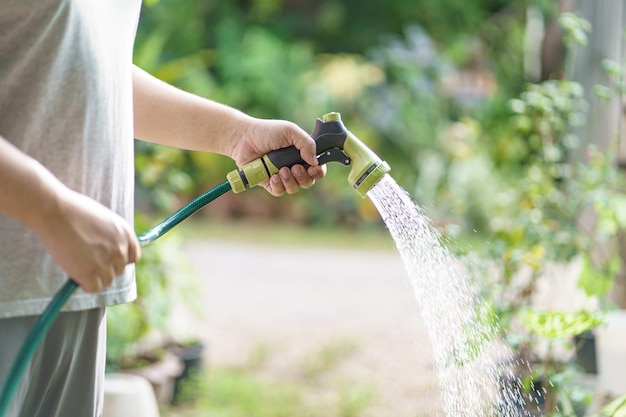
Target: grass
(285, 234)
(371, 237)
(251, 390)
(233, 393)
(328, 357)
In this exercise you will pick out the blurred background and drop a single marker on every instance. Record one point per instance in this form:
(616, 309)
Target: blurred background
(501, 118)
(426, 84)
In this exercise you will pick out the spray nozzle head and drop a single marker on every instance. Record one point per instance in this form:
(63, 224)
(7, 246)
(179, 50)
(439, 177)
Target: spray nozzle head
(334, 143)
(366, 167)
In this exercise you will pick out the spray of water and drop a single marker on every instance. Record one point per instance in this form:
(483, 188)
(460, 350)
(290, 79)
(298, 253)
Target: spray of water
(466, 356)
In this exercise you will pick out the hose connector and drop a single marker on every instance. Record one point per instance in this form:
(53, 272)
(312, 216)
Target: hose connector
(334, 143)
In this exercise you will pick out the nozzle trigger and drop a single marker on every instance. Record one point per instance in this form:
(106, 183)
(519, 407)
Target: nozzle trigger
(334, 155)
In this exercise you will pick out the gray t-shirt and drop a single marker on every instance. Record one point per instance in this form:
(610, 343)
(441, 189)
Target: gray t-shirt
(66, 100)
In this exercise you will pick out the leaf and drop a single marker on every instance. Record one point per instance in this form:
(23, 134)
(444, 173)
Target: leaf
(558, 324)
(595, 281)
(612, 68)
(616, 408)
(477, 332)
(618, 203)
(534, 257)
(518, 106)
(602, 92)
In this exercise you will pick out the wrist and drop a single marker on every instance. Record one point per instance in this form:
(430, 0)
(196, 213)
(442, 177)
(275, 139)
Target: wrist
(236, 127)
(44, 201)
(29, 193)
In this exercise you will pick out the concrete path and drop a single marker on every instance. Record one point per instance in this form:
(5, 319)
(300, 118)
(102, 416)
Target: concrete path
(290, 302)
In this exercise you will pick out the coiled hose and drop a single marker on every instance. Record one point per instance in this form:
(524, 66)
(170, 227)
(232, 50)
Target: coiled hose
(54, 307)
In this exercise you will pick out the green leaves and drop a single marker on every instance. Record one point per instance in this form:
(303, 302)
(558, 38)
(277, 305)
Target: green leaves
(575, 27)
(611, 212)
(478, 332)
(596, 281)
(548, 110)
(616, 408)
(558, 324)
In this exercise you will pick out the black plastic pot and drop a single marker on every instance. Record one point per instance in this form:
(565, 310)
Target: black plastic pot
(586, 351)
(192, 359)
(522, 403)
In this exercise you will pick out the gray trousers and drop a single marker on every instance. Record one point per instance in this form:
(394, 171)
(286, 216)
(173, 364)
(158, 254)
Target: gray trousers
(65, 377)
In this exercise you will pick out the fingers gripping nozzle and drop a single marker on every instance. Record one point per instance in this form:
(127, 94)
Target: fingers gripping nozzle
(334, 143)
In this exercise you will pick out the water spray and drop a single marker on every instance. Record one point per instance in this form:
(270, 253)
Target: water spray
(334, 143)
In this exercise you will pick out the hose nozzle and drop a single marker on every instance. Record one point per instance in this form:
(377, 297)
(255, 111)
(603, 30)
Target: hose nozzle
(334, 142)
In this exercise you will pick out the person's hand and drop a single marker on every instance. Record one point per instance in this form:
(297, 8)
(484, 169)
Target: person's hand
(262, 136)
(91, 243)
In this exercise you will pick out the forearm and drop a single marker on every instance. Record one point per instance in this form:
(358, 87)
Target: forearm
(166, 115)
(27, 190)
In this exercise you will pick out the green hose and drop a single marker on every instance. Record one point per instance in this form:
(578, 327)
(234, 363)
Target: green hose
(52, 310)
(182, 213)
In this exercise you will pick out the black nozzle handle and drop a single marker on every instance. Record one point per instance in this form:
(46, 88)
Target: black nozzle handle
(327, 135)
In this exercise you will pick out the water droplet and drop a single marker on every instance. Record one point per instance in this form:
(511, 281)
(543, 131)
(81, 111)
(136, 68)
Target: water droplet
(469, 364)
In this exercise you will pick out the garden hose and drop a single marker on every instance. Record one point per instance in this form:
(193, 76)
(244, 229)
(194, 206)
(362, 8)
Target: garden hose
(334, 143)
(54, 307)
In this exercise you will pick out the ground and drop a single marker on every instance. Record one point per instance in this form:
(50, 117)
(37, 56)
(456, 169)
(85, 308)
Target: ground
(310, 309)
(293, 303)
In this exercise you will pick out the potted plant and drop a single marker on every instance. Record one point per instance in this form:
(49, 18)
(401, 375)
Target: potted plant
(543, 223)
(141, 339)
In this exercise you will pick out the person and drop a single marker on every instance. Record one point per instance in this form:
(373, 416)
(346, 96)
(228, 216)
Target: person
(71, 105)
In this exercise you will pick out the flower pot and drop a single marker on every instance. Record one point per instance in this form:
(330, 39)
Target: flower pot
(127, 395)
(586, 351)
(192, 359)
(162, 375)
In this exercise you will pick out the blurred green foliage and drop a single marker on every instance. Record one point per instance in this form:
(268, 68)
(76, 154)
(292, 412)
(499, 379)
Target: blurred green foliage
(438, 89)
(553, 208)
(394, 70)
